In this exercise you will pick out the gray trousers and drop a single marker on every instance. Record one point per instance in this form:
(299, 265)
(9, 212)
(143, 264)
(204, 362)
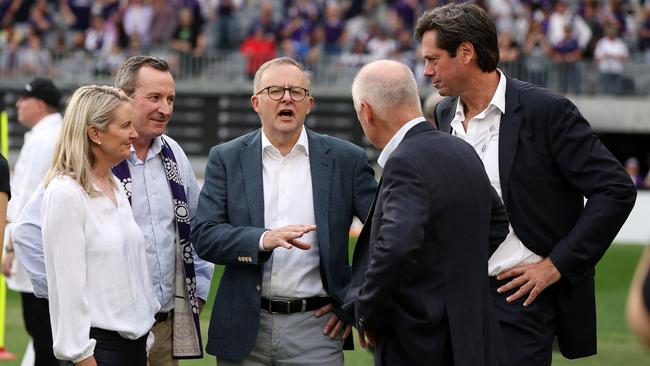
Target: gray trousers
(292, 340)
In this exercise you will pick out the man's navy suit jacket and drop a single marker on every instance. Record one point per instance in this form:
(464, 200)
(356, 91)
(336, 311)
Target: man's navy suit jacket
(229, 222)
(420, 265)
(549, 161)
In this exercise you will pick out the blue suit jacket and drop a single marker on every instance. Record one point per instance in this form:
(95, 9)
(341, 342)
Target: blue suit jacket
(230, 220)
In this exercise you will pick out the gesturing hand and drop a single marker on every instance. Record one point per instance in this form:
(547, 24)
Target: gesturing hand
(531, 279)
(287, 237)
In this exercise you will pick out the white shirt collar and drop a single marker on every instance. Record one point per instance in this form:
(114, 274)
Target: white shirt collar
(396, 139)
(302, 143)
(498, 100)
(51, 120)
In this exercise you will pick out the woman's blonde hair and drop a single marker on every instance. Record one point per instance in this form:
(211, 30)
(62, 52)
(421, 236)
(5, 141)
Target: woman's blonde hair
(91, 105)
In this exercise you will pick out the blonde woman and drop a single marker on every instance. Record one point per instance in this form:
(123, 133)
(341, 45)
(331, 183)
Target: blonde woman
(102, 304)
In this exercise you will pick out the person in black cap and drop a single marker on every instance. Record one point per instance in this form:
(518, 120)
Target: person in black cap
(37, 109)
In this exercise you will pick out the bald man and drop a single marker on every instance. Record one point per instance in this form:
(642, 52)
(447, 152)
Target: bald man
(420, 289)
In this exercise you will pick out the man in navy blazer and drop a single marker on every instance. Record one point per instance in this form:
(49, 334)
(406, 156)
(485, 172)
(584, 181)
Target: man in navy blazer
(276, 209)
(541, 155)
(419, 288)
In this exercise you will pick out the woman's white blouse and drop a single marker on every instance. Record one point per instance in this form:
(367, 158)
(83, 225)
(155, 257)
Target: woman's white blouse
(96, 268)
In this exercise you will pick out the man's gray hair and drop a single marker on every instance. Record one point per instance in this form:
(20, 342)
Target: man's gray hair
(385, 92)
(127, 77)
(278, 61)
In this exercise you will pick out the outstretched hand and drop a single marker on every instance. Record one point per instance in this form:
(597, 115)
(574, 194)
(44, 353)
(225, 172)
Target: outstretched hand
(287, 237)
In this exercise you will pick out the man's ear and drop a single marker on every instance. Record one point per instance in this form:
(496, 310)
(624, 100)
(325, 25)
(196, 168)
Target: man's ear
(255, 101)
(368, 113)
(93, 135)
(466, 52)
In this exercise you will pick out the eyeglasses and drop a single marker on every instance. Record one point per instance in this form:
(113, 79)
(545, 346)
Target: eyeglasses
(296, 93)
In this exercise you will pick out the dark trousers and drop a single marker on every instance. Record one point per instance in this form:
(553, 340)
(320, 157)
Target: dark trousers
(114, 350)
(528, 332)
(390, 353)
(36, 314)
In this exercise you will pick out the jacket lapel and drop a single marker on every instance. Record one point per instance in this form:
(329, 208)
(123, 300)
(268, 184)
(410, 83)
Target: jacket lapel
(320, 165)
(508, 137)
(250, 156)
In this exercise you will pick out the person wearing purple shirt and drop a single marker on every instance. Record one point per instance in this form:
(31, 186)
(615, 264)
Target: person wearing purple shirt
(566, 54)
(334, 28)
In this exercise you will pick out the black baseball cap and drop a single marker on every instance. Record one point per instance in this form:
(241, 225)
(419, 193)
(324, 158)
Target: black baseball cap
(43, 89)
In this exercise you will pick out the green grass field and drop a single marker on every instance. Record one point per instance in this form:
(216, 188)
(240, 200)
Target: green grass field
(617, 346)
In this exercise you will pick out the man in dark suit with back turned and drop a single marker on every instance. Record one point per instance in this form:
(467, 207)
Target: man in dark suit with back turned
(419, 283)
(279, 300)
(542, 157)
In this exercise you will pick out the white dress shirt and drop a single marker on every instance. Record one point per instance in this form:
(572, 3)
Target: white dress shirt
(396, 139)
(30, 169)
(96, 268)
(483, 134)
(288, 200)
(151, 188)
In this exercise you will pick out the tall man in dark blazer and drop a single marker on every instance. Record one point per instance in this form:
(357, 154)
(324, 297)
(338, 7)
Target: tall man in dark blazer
(276, 209)
(542, 157)
(420, 287)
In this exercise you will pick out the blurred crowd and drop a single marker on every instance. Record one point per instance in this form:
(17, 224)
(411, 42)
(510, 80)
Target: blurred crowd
(347, 32)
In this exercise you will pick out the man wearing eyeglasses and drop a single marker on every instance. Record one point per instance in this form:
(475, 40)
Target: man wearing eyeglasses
(276, 209)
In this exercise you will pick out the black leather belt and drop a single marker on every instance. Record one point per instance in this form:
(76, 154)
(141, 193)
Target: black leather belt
(162, 316)
(291, 306)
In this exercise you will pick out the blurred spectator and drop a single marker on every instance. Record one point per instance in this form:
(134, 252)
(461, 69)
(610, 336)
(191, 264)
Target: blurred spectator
(296, 28)
(505, 13)
(34, 59)
(188, 42)
(75, 13)
(560, 18)
(611, 53)
(264, 20)
(566, 54)
(357, 56)
(633, 169)
(315, 47)
(137, 20)
(644, 33)
(257, 48)
(536, 49)
(406, 10)
(508, 48)
(405, 51)
(40, 19)
(163, 23)
(11, 48)
(98, 38)
(224, 14)
(334, 27)
(15, 11)
(380, 46)
(591, 16)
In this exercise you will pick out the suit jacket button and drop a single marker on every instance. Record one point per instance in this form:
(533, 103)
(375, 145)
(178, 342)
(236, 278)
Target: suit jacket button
(258, 287)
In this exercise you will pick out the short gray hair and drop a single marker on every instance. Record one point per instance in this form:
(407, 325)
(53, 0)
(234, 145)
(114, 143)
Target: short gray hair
(385, 91)
(278, 61)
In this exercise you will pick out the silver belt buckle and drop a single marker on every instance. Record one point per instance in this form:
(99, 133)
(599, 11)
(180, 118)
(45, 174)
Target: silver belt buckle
(304, 305)
(288, 306)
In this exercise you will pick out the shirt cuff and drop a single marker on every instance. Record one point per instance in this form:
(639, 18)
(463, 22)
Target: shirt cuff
(261, 244)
